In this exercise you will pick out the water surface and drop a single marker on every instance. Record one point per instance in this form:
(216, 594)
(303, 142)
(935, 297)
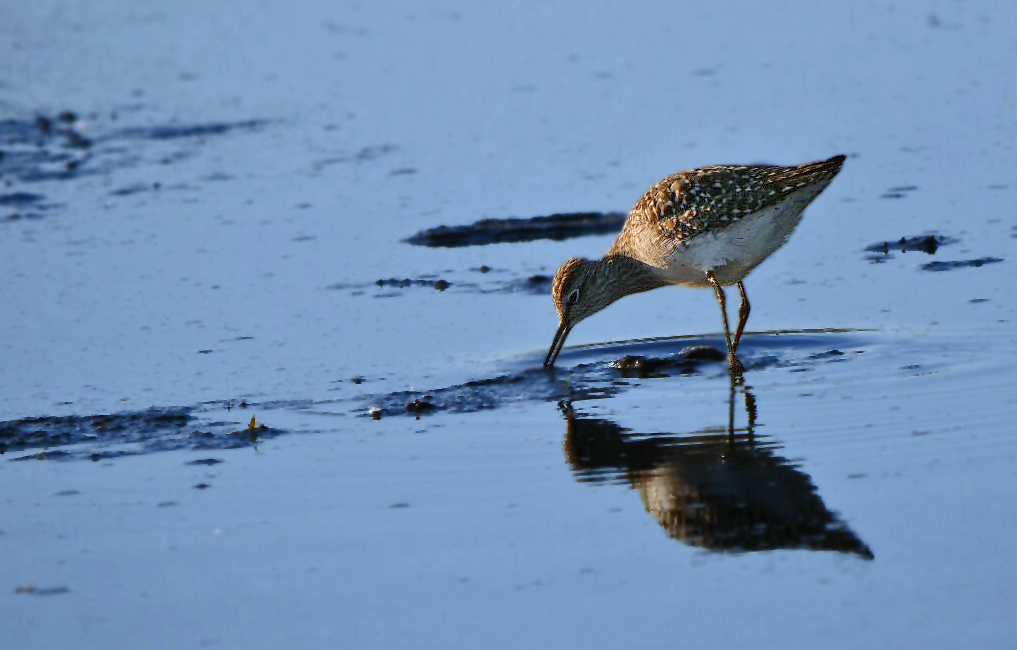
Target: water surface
(239, 409)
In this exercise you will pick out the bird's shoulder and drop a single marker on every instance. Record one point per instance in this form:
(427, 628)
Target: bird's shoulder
(685, 204)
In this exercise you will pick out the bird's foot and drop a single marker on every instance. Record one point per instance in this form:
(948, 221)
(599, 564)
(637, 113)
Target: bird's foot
(736, 368)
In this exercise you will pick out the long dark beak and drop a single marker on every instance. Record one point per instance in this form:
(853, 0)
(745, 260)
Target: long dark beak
(556, 345)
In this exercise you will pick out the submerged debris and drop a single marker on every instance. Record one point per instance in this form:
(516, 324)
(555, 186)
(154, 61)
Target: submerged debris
(494, 231)
(686, 362)
(205, 461)
(181, 131)
(403, 283)
(898, 192)
(960, 264)
(32, 590)
(929, 244)
(419, 405)
(534, 284)
(922, 243)
(20, 198)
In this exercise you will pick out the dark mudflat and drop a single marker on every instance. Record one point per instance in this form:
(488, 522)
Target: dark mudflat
(883, 251)
(960, 264)
(556, 227)
(98, 437)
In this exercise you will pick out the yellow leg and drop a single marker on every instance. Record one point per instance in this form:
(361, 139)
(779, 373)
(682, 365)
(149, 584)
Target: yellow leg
(743, 315)
(735, 364)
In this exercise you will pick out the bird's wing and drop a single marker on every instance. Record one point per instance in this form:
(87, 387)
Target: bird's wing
(688, 203)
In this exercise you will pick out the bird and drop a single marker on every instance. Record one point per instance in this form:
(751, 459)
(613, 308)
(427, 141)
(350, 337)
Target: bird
(706, 227)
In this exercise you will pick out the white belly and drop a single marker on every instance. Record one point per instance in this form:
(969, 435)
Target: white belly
(733, 251)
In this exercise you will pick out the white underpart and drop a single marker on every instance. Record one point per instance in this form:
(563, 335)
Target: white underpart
(733, 251)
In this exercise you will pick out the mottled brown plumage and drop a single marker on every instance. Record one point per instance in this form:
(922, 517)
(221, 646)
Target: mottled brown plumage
(689, 203)
(705, 227)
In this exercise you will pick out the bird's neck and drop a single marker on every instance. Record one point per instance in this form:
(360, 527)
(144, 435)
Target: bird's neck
(628, 275)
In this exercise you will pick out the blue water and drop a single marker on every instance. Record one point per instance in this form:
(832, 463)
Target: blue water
(209, 227)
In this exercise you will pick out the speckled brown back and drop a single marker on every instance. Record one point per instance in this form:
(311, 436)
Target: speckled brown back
(688, 203)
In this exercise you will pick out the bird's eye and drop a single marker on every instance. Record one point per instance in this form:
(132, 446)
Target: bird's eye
(573, 297)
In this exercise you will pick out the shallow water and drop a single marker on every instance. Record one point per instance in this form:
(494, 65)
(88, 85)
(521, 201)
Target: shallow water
(239, 409)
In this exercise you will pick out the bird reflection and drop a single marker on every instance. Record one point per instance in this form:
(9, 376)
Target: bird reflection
(725, 490)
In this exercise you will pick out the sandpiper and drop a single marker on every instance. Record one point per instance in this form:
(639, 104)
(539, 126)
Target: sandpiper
(705, 227)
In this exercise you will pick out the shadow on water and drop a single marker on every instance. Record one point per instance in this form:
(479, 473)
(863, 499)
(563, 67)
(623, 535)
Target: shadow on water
(720, 489)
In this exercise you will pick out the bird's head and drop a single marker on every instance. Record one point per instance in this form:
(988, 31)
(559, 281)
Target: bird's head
(579, 290)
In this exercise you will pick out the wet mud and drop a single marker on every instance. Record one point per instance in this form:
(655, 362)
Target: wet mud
(438, 283)
(32, 590)
(485, 394)
(686, 362)
(596, 380)
(592, 381)
(98, 437)
(20, 199)
(41, 148)
(960, 264)
(929, 244)
(898, 192)
(557, 227)
(881, 252)
(25, 205)
(923, 243)
(363, 155)
(68, 146)
(176, 132)
(452, 280)
(198, 428)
